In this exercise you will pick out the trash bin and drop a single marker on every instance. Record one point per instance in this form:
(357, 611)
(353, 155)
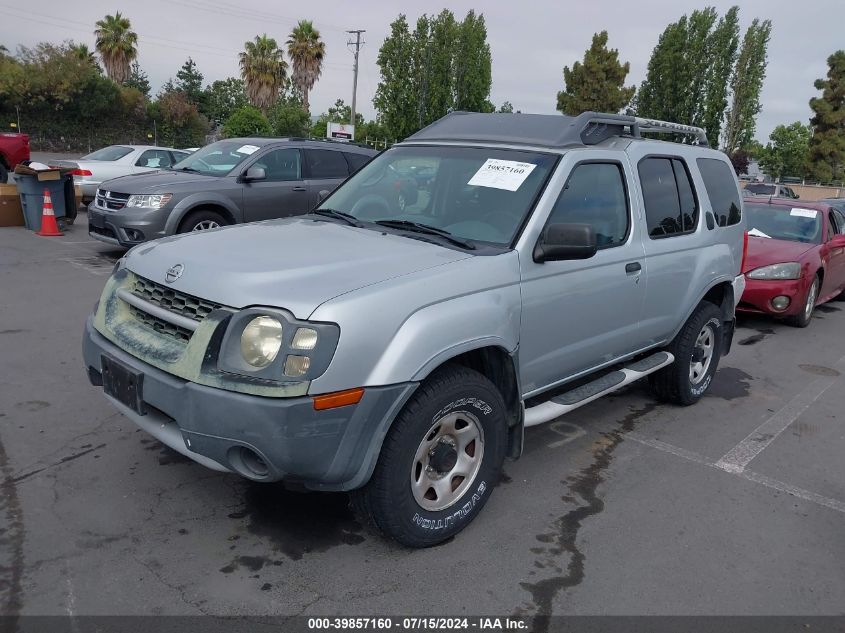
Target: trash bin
(31, 191)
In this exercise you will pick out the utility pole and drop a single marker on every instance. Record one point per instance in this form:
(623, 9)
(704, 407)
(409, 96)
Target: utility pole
(357, 43)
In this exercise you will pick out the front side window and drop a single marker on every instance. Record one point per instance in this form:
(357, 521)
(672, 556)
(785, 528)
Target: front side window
(281, 164)
(325, 163)
(473, 193)
(110, 153)
(719, 184)
(840, 221)
(595, 195)
(782, 222)
(668, 196)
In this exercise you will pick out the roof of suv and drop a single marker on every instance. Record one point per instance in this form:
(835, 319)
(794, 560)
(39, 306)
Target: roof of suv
(547, 130)
(262, 141)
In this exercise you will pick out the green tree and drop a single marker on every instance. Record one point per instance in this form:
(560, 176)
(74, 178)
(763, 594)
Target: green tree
(396, 95)
(189, 80)
(306, 51)
(183, 126)
(85, 54)
(338, 113)
(138, 79)
(746, 82)
(506, 107)
(787, 151)
(689, 70)
(473, 65)
(224, 96)
(247, 121)
(598, 84)
(117, 45)
(740, 159)
(827, 147)
(289, 118)
(264, 71)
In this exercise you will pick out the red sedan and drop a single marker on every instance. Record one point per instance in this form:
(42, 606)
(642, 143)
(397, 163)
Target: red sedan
(795, 258)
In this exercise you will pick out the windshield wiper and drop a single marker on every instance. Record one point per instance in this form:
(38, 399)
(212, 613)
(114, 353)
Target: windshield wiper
(419, 227)
(339, 215)
(191, 169)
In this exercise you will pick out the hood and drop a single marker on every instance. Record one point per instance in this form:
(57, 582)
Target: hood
(157, 181)
(294, 263)
(763, 251)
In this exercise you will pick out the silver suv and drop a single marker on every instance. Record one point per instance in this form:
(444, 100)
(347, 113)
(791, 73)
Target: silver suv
(398, 351)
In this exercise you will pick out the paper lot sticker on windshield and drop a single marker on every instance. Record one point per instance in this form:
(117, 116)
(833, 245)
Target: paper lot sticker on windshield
(247, 149)
(804, 213)
(502, 174)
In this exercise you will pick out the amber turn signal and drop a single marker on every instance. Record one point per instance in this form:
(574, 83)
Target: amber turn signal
(338, 399)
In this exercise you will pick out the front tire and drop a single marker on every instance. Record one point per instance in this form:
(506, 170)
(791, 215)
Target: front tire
(201, 220)
(697, 349)
(440, 460)
(803, 318)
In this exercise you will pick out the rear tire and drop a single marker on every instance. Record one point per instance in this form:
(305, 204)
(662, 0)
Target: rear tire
(697, 349)
(806, 315)
(440, 460)
(201, 220)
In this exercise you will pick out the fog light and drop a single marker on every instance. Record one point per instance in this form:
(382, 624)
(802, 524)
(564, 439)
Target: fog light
(780, 302)
(305, 338)
(296, 366)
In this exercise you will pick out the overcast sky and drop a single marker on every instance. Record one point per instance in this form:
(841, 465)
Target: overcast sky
(531, 41)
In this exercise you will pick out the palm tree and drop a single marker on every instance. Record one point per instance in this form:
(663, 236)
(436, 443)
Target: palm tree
(264, 71)
(117, 45)
(83, 53)
(306, 51)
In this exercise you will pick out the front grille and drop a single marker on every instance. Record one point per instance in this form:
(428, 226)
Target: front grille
(106, 232)
(160, 325)
(173, 300)
(111, 199)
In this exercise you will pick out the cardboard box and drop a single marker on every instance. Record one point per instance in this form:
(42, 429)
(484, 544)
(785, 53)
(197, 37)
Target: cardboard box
(42, 174)
(11, 213)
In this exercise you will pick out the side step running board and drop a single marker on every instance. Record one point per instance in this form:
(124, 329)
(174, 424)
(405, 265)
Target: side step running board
(578, 397)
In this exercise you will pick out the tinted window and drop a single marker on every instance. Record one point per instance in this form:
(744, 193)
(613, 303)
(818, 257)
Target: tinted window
(113, 152)
(840, 221)
(356, 161)
(761, 190)
(326, 163)
(686, 197)
(595, 195)
(661, 197)
(281, 164)
(177, 156)
(719, 183)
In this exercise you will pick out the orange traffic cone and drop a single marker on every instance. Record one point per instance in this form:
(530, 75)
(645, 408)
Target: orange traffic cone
(49, 228)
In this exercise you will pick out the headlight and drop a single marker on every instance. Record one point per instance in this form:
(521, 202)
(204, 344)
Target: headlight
(261, 341)
(790, 270)
(149, 202)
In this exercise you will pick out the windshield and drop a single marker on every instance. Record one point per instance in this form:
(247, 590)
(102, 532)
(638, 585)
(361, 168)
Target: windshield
(111, 153)
(217, 159)
(784, 223)
(472, 193)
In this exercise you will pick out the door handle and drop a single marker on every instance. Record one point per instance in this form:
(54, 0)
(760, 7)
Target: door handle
(633, 267)
(299, 189)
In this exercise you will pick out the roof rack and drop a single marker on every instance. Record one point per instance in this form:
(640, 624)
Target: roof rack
(588, 128)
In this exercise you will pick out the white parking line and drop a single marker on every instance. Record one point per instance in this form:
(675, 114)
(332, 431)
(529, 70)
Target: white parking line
(763, 480)
(736, 459)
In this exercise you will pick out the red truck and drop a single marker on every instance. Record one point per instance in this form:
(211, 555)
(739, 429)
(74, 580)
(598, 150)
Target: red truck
(14, 148)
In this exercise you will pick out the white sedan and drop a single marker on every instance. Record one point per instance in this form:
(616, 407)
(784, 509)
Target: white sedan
(118, 160)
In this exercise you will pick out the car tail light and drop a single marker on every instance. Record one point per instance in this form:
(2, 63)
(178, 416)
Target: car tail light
(744, 251)
(81, 172)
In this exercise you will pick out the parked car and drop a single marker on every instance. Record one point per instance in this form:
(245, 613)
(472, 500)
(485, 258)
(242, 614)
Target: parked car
(227, 182)
(796, 258)
(400, 353)
(115, 161)
(769, 189)
(14, 149)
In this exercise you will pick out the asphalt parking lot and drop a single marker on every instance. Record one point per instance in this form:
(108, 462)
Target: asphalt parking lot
(734, 506)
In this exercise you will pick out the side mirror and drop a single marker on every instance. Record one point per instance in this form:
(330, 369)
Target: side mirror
(255, 173)
(324, 193)
(564, 242)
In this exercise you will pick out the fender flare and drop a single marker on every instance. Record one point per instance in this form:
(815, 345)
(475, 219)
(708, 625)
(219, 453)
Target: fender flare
(197, 200)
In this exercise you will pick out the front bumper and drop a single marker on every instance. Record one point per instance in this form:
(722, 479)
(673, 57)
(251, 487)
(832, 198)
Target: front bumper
(759, 293)
(122, 228)
(334, 449)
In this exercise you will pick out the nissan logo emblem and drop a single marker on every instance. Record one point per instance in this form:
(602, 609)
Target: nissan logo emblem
(173, 273)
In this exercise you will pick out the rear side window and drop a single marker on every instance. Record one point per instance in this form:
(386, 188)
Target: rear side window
(719, 183)
(325, 163)
(356, 161)
(669, 197)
